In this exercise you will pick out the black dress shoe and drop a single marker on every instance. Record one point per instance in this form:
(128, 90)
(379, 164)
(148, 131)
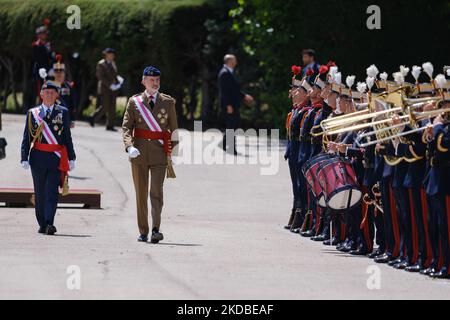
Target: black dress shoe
(331, 242)
(51, 230)
(157, 236)
(92, 121)
(348, 247)
(320, 237)
(384, 258)
(427, 272)
(358, 252)
(396, 261)
(415, 268)
(142, 238)
(42, 230)
(307, 234)
(403, 265)
(442, 274)
(297, 231)
(375, 254)
(111, 129)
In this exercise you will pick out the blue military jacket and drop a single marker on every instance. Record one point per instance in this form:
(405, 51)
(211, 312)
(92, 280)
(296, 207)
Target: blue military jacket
(59, 124)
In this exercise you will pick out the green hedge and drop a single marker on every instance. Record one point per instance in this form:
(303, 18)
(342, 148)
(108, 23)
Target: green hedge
(164, 33)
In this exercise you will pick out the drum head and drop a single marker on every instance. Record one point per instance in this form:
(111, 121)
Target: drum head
(338, 200)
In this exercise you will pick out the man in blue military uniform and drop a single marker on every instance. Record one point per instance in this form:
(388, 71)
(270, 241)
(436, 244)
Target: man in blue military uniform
(48, 149)
(437, 189)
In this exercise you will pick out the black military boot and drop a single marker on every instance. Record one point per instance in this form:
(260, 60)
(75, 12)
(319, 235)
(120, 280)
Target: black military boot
(291, 219)
(297, 222)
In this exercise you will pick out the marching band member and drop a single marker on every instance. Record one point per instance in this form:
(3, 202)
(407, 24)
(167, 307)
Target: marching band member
(297, 123)
(67, 92)
(293, 132)
(438, 190)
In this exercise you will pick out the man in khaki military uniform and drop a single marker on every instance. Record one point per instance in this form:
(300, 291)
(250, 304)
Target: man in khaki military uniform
(149, 121)
(109, 84)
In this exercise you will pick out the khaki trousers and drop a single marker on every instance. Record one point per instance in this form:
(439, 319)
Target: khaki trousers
(108, 107)
(141, 178)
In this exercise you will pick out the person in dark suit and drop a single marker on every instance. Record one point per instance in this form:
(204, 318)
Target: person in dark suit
(231, 97)
(48, 149)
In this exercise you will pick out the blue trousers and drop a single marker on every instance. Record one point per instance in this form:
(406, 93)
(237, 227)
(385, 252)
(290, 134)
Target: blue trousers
(46, 182)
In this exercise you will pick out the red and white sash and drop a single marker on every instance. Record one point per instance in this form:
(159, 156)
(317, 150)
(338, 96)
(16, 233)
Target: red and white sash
(48, 134)
(147, 115)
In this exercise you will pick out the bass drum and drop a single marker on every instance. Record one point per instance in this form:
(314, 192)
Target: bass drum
(310, 170)
(339, 184)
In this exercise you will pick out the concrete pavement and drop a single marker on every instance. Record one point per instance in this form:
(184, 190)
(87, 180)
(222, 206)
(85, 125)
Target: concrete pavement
(223, 229)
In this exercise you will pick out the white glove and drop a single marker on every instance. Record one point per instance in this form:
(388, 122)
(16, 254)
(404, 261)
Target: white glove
(114, 87)
(133, 152)
(120, 79)
(72, 165)
(25, 165)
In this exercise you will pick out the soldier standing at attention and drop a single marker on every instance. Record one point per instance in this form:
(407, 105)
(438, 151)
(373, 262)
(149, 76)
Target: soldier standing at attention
(150, 119)
(109, 84)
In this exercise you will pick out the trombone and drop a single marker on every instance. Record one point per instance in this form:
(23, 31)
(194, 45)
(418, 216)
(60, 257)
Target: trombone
(414, 118)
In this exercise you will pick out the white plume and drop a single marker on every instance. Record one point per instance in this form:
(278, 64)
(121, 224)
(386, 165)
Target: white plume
(416, 71)
(42, 73)
(440, 81)
(333, 71)
(372, 71)
(370, 82)
(361, 87)
(338, 78)
(448, 72)
(404, 70)
(429, 69)
(350, 80)
(384, 76)
(399, 78)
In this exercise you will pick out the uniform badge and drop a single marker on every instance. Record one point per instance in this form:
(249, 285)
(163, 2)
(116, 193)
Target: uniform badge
(58, 119)
(159, 115)
(163, 120)
(55, 128)
(163, 111)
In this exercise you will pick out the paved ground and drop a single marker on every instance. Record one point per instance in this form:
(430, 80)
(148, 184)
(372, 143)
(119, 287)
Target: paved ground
(224, 238)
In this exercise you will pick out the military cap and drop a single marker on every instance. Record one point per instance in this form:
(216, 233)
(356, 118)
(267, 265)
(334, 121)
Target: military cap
(151, 71)
(50, 84)
(109, 50)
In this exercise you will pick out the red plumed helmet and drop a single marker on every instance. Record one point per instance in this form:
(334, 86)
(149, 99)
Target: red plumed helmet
(46, 22)
(331, 64)
(58, 57)
(296, 70)
(323, 69)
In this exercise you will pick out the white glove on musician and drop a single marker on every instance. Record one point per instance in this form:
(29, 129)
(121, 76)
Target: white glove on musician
(133, 152)
(72, 165)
